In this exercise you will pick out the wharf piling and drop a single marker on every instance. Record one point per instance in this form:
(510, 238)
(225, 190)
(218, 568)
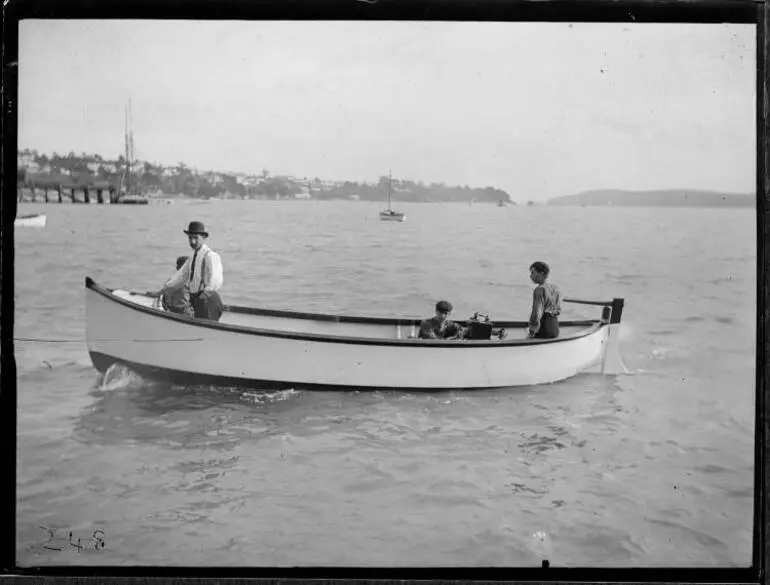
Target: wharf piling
(61, 192)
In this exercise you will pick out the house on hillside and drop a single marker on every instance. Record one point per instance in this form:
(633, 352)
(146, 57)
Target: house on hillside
(24, 160)
(248, 180)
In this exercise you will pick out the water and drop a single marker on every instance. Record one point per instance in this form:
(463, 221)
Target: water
(600, 471)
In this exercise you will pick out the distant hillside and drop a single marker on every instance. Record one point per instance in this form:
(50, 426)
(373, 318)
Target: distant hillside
(663, 198)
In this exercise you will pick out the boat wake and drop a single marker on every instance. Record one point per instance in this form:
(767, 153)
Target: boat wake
(268, 397)
(673, 354)
(250, 396)
(119, 377)
(543, 545)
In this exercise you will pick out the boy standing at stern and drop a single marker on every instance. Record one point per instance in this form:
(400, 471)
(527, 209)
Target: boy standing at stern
(546, 304)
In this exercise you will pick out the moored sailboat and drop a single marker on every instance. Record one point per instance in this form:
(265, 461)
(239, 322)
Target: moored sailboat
(391, 214)
(131, 195)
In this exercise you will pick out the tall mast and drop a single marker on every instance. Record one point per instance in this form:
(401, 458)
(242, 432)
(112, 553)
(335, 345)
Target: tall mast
(128, 163)
(131, 131)
(129, 146)
(130, 136)
(388, 188)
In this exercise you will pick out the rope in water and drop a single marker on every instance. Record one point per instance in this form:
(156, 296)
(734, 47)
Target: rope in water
(40, 340)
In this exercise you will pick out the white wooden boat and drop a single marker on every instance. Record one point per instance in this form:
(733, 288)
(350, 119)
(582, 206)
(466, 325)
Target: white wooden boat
(391, 214)
(280, 349)
(30, 220)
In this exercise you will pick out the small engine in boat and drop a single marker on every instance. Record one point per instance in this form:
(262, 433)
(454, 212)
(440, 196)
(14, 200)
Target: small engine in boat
(480, 327)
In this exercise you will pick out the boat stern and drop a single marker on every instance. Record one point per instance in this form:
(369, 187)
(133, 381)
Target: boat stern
(611, 361)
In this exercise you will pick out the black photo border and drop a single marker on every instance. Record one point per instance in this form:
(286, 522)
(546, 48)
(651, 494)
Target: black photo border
(620, 11)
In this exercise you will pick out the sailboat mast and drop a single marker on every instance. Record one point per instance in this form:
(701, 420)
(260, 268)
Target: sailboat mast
(389, 189)
(131, 131)
(130, 138)
(128, 176)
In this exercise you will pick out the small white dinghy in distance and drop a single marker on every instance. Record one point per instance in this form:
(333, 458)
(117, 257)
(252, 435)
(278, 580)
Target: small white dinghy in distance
(30, 220)
(257, 348)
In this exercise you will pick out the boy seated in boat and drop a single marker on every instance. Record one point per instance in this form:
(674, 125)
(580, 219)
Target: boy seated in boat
(546, 304)
(439, 326)
(176, 300)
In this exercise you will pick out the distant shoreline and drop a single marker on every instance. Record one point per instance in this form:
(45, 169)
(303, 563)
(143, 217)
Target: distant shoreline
(169, 199)
(678, 198)
(85, 173)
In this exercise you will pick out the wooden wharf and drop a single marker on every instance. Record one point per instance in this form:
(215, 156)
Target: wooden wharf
(59, 190)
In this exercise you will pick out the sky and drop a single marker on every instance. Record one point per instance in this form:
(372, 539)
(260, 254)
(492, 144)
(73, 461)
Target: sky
(536, 109)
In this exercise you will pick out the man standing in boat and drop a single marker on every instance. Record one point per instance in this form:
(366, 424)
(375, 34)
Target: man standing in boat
(439, 326)
(546, 304)
(202, 275)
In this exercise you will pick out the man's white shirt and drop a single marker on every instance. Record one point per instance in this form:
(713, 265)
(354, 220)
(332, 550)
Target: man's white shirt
(207, 276)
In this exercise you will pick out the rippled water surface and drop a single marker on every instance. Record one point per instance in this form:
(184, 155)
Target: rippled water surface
(602, 471)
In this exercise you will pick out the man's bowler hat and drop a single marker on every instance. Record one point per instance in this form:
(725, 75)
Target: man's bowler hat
(196, 227)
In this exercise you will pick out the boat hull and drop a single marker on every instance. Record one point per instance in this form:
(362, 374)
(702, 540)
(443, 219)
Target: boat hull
(394, 217)
(37, 220)
(372, 354)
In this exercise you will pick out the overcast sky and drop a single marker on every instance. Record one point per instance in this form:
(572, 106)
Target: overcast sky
(536, 109)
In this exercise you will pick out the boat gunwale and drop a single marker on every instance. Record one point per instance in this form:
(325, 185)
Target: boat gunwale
(592, 326)
(303, 315)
